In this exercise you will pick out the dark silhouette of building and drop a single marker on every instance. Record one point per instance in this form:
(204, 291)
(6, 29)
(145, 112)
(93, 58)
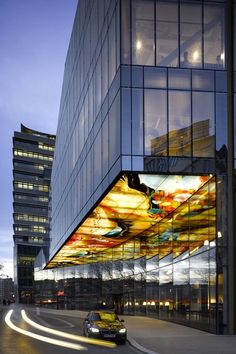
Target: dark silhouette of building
(32, 163)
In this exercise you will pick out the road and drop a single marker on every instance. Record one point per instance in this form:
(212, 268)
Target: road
(13, 342)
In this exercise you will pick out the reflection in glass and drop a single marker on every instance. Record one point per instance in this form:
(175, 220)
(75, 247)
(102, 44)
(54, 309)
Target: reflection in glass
(179, 123)
(143, 32)
(179, 79)
(155, 122)
(137, 122)
(203, 80)
(203, 124)
(191, 34)
(214, 36)
(167, 53)
(125, 34)
(155, 78)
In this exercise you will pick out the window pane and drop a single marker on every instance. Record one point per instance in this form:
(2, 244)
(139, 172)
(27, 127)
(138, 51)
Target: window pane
(112, 49)
(104, 68)
(137, 122)
(191, 34)
(155, 122)
(155, 78)
(179, 123)
(179, 79)
(214, 36)
(114, 131)
(199, 280)
(221, 82)
(125, 32)
(167, 53)
(203, 80)
(143, 32)
(126, 121)
(221, 119)
(203, 124)
(105, 146)
(137, 76)
(97, 160)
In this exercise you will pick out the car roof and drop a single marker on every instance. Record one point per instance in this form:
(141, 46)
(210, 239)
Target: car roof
(102, 311)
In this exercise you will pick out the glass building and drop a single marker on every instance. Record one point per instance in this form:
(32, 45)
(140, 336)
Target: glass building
(142, 181)
(32, 164)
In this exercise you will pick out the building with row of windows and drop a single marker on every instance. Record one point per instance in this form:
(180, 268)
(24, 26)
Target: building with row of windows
(143, 176)
(32, 164)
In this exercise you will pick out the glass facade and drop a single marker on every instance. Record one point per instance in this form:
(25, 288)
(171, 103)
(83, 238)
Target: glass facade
(139, 182)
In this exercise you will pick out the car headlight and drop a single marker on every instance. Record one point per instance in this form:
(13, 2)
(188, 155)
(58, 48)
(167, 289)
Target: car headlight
(94, 330)
(122, 330)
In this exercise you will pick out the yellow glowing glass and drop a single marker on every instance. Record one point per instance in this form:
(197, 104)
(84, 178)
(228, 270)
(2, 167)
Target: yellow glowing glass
(155, 210)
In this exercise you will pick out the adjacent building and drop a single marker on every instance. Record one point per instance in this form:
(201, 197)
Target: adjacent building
(32, 163)
(143, 176)
(6, 291)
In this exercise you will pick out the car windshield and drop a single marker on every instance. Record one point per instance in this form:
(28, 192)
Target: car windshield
(109, 317)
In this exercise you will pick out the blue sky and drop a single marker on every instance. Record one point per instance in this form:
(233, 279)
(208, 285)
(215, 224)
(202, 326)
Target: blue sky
(34, 37)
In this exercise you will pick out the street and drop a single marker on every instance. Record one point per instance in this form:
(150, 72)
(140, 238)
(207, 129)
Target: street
(66, 341)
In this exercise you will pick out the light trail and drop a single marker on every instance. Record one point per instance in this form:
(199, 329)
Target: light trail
(67, 335)
(39, 337)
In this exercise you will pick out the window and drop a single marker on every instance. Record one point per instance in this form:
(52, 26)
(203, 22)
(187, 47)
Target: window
(155, 103)
(203, 124)
(214, 36)
(137, 122)
(33, 155)
(179, 123)
(191, 34)
(143, 32)
(45, 147)
(167, 53)
(30, 186)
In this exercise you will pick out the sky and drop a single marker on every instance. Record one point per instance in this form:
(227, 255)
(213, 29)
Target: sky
(34, 38)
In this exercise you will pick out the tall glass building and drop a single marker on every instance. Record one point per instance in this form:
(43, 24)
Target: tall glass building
(142, 182)
(32, 165)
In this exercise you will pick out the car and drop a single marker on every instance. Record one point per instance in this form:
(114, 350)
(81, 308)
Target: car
(105, 325)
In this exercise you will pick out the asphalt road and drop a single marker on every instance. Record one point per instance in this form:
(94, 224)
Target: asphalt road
(13, 342)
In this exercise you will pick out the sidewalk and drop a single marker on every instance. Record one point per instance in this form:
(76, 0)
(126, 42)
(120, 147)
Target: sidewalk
(152, 336)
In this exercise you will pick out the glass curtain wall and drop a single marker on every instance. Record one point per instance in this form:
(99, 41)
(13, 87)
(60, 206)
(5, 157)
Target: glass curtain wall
(174, 33)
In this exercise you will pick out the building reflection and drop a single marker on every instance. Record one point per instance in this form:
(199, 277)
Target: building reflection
(180, 141)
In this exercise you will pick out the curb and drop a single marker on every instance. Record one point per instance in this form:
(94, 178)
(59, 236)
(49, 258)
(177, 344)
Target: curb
(136, 345)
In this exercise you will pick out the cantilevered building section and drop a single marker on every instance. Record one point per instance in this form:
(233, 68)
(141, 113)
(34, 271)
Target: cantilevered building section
(139, 183)
(32, 164)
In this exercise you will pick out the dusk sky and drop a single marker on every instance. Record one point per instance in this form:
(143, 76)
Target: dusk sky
(34, 37)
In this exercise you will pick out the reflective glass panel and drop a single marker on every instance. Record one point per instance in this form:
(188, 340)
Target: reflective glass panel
(155, 122)
(191, 34)
(155, 78)
(137, 122)
(167, 53)
(143, 32)
(203, 124)
(179, 123)
(179, 79)
(214, 35)
(125, 35)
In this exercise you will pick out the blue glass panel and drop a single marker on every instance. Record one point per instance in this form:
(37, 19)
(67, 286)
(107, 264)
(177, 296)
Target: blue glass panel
(179, 79)
(203, 80)
(155, 77)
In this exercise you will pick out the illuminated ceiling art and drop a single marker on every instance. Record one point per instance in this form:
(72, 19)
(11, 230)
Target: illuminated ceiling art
(160, 209)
